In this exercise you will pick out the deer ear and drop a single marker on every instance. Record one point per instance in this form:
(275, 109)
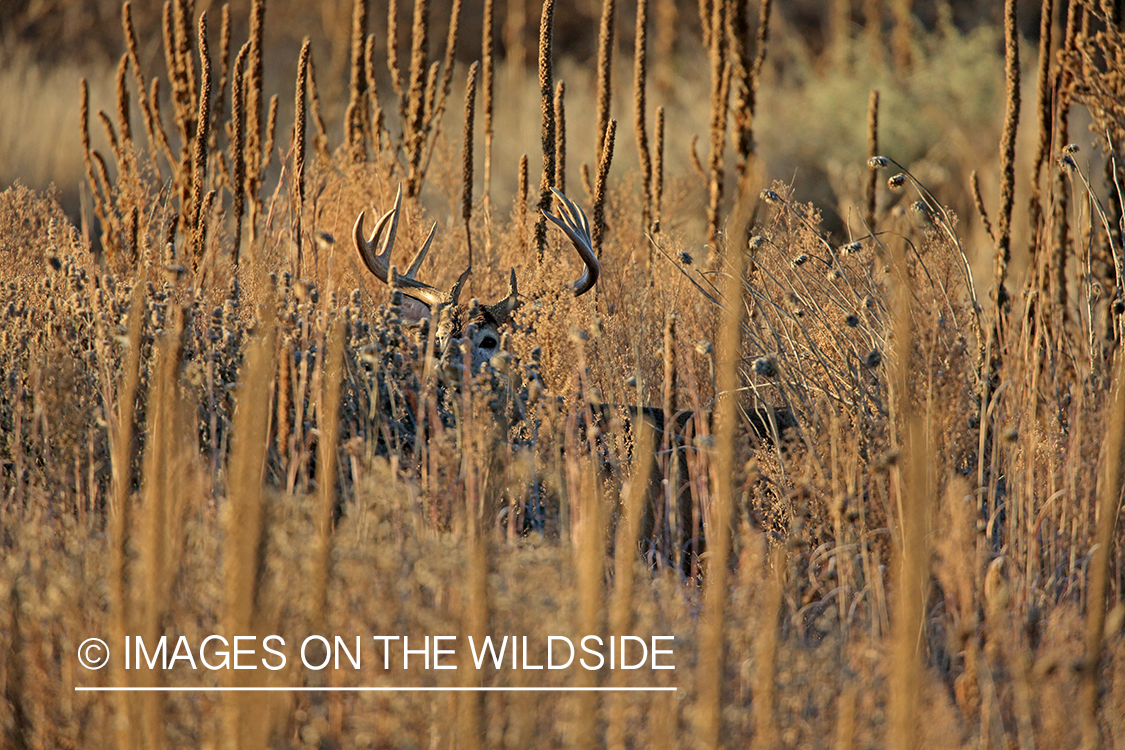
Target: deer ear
(414, 311)
(502, 311)
(454, 295)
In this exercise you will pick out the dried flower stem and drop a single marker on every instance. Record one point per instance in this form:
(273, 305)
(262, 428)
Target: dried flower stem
(974, 184)
(522, 196)
(202, 134)
(604, 71)
(1043, 94)
(487, 85)
(872, 152)
(392, 55)
(252, 156)
(123, 101)
(415, 123)
(299, 151)
(237, 150)
(95, 189)
(598, 229)
(320, 142)
(224, 74)
(354, 119)
(1007, 157)
(640, 68)
(142, 92)
(467, 157)
(547, 137)
(718, 129)
(657, 175)
(271, 133)
(560, 137)
(374, 118)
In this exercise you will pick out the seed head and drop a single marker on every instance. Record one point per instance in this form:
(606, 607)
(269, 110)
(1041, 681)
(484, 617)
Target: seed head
(801, 259)
(852, 320)
(1071, 148)
(878, 162)
(766, 367)
(501, 362)
(896, 182)
(756, 242)
(873, 359)
(685, 257)
(769, 196)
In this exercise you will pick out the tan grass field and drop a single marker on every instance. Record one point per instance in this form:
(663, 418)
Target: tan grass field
(861, 261)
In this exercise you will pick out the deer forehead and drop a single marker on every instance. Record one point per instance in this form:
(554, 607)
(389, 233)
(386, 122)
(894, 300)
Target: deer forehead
(456, 320)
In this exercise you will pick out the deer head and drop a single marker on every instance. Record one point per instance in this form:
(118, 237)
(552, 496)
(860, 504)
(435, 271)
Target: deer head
(456, 320)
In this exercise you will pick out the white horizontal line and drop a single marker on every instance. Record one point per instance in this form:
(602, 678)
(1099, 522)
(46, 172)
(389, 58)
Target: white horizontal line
(373, 689)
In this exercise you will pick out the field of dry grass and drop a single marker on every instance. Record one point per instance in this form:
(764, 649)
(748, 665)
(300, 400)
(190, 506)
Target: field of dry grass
(866, 273)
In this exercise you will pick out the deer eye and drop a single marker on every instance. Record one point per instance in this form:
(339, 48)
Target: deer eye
(488, 342)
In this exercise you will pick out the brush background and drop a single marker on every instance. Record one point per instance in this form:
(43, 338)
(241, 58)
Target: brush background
(186, 526)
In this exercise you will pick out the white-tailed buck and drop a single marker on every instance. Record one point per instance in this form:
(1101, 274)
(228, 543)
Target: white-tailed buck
(677, 525)
(454, 318)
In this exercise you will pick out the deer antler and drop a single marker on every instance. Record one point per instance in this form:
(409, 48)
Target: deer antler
(376, 254)
(576, 226)
(379, 262)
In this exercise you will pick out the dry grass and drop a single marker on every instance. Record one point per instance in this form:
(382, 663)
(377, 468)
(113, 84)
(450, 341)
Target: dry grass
(879, 511)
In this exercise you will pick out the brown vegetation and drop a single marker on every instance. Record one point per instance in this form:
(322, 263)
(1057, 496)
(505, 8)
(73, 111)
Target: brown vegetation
(212, 422)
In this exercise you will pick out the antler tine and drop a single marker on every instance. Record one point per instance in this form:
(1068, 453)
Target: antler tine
(576, 226)
(378, 262)
(420, 256)
(575, 214)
